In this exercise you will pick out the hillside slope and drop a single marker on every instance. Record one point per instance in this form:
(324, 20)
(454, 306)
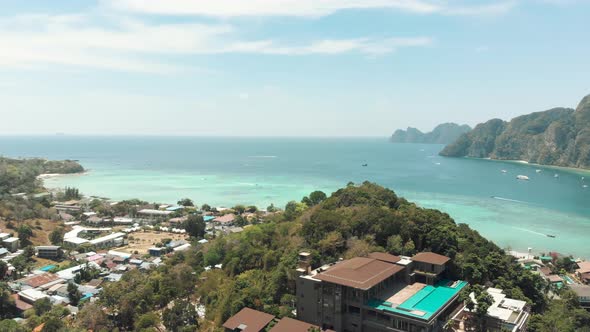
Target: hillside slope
(443, 134)
(559, 137)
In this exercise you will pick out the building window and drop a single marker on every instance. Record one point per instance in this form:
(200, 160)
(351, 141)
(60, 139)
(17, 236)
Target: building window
(354, 310)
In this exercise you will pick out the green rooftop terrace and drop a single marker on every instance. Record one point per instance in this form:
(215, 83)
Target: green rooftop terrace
(425, 303)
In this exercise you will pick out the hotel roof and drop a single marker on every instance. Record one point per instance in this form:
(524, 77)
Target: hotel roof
(385, 257)
(226, 218)
(39, 280)
(359, 272)
(583, 267)
(249, 320)
(430, 258)
(292, 325)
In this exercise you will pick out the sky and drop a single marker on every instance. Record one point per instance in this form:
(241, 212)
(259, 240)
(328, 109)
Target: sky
(284, 67)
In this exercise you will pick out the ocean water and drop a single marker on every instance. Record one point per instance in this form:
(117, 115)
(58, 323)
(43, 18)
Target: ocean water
(260, 171)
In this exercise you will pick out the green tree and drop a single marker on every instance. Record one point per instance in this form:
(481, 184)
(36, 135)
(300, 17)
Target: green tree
(182, 314)
(252, 209)
(42, 306)
(271, 208)
(186, 202)
(24, 233)
(146, 321)
(395, 244)
(53, 325)
(206, 207)
(92, 317)
(314, 198)
(194, 226)
(74, 294)
(3, 269)
(239, 209)
(6, 302)
(56, 236)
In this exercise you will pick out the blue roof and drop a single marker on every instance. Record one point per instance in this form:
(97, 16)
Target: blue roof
(425, 303)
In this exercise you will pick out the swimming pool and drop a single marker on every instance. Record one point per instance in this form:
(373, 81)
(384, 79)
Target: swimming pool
(567, 279)
(425, 303)
(47, 268)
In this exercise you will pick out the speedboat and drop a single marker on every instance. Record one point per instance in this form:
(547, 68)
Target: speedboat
(504, 171)
(538, 171)
(522, 177)
(550, 235)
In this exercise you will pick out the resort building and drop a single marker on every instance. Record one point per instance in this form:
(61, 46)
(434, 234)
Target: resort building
(583, 293)
(583, 272)
(51, 252)
(248, 320)
(11, 244)
(378, 293)
(225, 220)
(505, 314)
(293, 325)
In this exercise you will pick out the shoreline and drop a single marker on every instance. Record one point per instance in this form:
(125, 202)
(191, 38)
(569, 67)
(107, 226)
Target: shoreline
(574, 170)
(45, 176)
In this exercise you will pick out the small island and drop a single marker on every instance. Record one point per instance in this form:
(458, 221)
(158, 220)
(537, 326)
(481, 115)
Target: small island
(442, 134)
(556, 137)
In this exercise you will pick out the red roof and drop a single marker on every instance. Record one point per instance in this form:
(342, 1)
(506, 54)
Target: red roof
(39, 280)
(20, 304)
(385, 257)
(430, 258)
(226, 218)
(249, 320)
(292, 325)
(359, 272)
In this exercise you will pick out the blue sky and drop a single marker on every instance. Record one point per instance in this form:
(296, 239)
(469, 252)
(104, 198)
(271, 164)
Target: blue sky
(285, 67)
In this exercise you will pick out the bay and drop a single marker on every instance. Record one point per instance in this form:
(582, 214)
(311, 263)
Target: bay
(224, 171)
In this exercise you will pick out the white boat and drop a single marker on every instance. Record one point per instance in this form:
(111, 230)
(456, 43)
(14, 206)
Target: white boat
(538, 171)
(504, 171)
(585, 186)
(556, 175)
(522, 177)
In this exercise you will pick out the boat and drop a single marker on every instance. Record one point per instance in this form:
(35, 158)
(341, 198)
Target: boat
(585, 186)
(538, 171)
(556, 175)
(522, 177)
(550, 235)
(504, 171)
(365, 165)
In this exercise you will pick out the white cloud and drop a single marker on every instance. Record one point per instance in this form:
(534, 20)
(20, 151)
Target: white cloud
(301, 8)
(231, 8)
(30, 41)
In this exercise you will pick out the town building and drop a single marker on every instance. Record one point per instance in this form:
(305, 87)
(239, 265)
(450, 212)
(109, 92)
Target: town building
(11, 243)
(248, 320)
(293, 325)
(583, 293)
(583, 271)
(51, 252)
(505, 314)
(378, 293)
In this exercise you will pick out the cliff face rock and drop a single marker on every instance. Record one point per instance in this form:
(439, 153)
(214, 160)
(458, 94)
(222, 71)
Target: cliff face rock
(559, 136)
(443, 134)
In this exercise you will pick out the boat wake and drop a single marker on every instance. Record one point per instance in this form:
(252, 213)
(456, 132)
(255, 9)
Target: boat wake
(509, 200)
(529, 231)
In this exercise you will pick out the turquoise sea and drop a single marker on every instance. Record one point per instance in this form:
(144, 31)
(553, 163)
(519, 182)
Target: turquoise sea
(260, 171)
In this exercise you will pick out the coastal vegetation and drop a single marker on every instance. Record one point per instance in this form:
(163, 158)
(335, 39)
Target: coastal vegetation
(256, 267)
(442, 134)
(559, 137)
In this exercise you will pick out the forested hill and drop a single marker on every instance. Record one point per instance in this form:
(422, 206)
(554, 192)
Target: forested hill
(559, 137)
(443, 134)
(20, 175)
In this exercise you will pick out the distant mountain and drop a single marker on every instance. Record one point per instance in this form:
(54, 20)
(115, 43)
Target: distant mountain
(559, 136)
(443, 134)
